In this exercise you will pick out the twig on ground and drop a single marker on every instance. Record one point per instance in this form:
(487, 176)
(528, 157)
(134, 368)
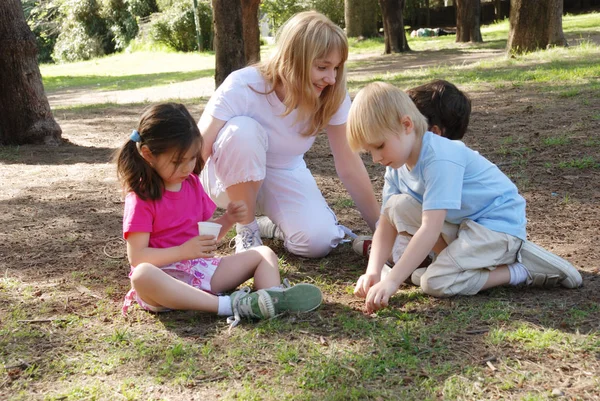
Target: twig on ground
(477, 331)
(210, 379)
(41, 320)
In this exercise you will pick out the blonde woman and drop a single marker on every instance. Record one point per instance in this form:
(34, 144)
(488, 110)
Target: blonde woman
(260, 122)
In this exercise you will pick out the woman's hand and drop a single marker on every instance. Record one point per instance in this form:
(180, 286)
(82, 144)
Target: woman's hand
(237, 211)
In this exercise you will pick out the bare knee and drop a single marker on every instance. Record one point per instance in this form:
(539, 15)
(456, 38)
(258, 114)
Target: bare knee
(142, 274)
(267, 254)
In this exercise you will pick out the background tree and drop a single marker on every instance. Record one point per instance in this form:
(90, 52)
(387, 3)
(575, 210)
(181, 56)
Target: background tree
(535, 25)
(361, 18)
(251, 30)
(228, 39)
(25, 115)
(393, 26)
(468, 27)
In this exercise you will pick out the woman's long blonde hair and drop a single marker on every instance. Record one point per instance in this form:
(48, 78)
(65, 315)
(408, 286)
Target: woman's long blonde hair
(305, 37)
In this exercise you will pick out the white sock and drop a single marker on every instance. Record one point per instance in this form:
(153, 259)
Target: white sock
(252, 226)
(224, 306)
(518, 273)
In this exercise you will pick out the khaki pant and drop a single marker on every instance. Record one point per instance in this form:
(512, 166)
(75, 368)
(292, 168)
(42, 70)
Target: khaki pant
(473, 250)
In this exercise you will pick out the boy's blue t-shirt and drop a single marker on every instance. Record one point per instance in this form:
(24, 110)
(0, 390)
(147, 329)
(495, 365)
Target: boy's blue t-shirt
(451, 176)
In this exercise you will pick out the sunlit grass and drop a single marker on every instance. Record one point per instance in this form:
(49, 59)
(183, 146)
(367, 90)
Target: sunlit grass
(552, 69)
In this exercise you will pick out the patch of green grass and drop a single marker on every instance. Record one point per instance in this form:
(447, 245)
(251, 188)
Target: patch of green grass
(556, 140)
(581, 164)
(86, 108)
(535, 338)
(344, 203)
(128, 71)
(553, 70)
(9, 153)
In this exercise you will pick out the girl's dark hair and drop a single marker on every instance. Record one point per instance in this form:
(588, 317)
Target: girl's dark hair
(162, 128)
(444, 105)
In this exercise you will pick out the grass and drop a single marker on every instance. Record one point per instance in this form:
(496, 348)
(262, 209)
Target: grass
(128, 71)
(418, 349)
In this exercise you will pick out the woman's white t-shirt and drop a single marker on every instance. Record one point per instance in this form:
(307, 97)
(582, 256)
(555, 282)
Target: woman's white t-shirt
(240, 95)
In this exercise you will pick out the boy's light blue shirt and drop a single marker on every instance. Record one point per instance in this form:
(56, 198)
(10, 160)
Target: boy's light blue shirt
(451, 176)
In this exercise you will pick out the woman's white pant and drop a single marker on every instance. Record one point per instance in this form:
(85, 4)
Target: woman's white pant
(288, 196)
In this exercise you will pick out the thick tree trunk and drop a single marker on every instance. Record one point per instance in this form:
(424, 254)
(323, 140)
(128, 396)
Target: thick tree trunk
(393, 26)
(535, 25)
(25, 115)
(228, 39)
(251, 30)
(361, 18)
(468, 27)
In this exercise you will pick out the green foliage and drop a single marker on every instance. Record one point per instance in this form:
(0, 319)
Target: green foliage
(121, 22)
(142, 8)
(68, 30)
(279, 11)
(44, 20)
(84, 33)
(176, 28)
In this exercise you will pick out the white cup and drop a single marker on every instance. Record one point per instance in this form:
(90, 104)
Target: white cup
(209, 228)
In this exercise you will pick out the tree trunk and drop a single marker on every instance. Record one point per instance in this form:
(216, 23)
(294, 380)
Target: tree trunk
(467, 21)
(251, 30)
(393, 26)
(228, 38)
(498, 10)
(535, 25)
(361, 18)
(25, 115)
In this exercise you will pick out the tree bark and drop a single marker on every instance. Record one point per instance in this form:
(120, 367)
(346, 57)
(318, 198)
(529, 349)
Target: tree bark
(393, 26)
(468, 27)
(535, 25)
(25, 115)
(251, 30)
(228, 38)
(361, 18)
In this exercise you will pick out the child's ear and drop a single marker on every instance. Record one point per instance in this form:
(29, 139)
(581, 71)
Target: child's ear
(436, 130)
(407, 123)
(147, 154)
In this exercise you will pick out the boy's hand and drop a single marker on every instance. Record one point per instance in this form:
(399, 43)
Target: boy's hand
(201, 246)
(237, 211)
(379, 295)
(364, 283)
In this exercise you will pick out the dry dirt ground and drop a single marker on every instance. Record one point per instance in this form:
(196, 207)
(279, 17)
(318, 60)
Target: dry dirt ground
(61, 208)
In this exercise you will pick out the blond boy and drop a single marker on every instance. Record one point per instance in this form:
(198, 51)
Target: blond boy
(472, 215)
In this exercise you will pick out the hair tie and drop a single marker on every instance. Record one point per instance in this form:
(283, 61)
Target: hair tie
(135, 136)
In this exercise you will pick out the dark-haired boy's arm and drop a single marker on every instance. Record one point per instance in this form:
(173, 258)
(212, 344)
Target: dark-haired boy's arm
(418, 248)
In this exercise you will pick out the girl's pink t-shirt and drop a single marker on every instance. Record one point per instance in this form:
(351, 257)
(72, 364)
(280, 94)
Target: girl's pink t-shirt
(171, 220)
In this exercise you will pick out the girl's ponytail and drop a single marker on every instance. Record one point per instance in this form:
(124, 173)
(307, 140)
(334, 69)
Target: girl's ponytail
(135, 174)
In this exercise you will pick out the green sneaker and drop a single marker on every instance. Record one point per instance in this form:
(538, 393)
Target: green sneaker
(268, 303)
(250, 305)
(298, 298)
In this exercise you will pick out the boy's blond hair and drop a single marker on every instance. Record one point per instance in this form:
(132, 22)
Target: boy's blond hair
(305, 37)
(376, 111)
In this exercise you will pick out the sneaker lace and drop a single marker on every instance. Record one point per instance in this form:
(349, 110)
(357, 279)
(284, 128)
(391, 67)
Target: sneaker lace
(239, 309)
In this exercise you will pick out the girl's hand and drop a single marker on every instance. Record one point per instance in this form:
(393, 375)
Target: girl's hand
(237, 211)
(202, 246)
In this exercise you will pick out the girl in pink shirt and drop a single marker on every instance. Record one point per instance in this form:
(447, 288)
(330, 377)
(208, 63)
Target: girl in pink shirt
(172, 267)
